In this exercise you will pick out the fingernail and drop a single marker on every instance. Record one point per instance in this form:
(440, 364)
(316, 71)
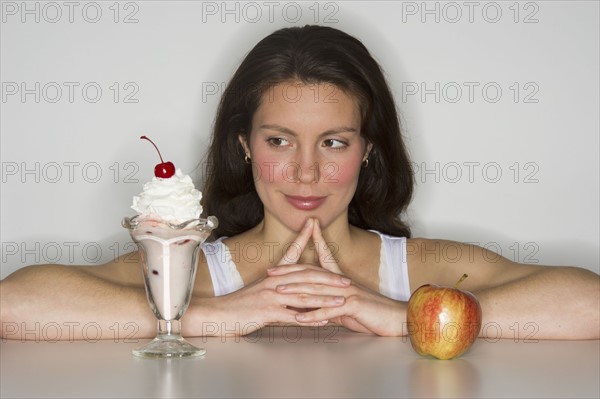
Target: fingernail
(300, 316)
(346, 280)
(282, 287)
(339, 299)
(309, 222)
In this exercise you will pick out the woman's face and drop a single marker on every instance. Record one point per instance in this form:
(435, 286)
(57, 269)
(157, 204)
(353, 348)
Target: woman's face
(306, 152)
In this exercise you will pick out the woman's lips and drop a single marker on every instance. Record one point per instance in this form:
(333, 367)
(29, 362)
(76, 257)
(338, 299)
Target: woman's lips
(305, 203)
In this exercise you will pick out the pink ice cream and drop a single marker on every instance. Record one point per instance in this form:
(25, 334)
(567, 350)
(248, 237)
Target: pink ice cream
(168, 236)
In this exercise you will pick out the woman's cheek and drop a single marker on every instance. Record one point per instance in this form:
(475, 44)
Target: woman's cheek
(270, 171)
(340, 173)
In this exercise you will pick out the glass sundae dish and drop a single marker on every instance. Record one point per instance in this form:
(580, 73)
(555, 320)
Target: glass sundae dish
(168, 232)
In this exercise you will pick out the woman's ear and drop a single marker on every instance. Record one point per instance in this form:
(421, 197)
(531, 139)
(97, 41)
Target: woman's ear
(368, 151)
(244, 143)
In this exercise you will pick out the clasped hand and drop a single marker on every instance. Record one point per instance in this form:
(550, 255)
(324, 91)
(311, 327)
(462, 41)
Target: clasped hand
(312, 295)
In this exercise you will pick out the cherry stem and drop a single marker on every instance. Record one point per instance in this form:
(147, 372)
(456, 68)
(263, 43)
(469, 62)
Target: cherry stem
(460, 280)
(146, 138)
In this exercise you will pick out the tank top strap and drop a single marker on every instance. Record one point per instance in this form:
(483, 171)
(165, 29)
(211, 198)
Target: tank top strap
(223, 271)
(393, 267)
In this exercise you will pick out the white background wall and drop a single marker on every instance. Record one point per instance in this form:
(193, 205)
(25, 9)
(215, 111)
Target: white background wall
(511, 165)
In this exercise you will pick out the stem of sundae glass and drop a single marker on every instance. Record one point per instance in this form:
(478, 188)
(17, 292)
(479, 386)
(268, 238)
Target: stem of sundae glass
(169, 328)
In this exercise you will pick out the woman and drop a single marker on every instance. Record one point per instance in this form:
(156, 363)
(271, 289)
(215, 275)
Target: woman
(308, 176)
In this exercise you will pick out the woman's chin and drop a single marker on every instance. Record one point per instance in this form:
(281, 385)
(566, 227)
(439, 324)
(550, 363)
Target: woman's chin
(295, 223)
(298, 224)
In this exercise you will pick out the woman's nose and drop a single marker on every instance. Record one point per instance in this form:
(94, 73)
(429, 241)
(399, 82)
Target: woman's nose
(307, 169)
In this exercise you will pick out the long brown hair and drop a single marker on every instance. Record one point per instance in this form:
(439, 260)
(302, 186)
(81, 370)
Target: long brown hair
(310, 54)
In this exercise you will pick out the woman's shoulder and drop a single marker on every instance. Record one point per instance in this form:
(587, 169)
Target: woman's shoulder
(387, 237)
(237, 239)
(442, 247)
(217, 243)
(438, 251)
(442, 262)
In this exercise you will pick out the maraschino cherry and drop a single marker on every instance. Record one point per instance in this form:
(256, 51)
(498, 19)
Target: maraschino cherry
(164, 169)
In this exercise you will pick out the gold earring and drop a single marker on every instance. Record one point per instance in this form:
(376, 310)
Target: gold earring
(247, 159)
(365, 162)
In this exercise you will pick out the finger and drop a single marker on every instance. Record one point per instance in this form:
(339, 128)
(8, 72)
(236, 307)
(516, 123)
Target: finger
(320, 314)
(312, 289)
(336, 315)
(284, 315)
(293, 252)
(295, 322)
(315, 324)
(309, 276)
(286, 269)
(325, 256)
(306, 301)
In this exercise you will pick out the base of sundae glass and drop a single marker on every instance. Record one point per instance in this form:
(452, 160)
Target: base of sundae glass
(169, 254)
(169, 343)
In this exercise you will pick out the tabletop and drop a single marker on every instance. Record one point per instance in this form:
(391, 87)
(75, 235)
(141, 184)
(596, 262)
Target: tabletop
(300, 362)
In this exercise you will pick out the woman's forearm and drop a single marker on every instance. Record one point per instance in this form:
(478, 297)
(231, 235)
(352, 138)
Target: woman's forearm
(552, 303)
(55, 302)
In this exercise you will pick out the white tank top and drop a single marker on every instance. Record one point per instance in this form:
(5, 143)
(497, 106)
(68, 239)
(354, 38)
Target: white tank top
(393, 268)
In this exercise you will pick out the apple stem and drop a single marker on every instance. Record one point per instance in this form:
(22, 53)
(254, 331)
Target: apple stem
(157, 150)
(460, 280)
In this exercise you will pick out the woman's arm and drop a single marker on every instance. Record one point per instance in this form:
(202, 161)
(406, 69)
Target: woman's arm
(549, 303)
(54, 302)
(518, 301)
(57, 302)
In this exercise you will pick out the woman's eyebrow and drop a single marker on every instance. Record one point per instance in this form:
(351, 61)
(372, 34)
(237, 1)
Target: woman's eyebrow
(285, 130)
(279, 128)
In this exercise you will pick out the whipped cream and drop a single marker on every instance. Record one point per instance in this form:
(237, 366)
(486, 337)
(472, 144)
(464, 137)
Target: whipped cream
(174, 200)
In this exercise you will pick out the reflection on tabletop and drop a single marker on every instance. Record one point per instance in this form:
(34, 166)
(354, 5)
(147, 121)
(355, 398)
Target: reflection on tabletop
(278, 362)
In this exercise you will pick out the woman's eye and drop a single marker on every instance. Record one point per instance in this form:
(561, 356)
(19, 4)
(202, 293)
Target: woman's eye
(277, 142)
(336, 144)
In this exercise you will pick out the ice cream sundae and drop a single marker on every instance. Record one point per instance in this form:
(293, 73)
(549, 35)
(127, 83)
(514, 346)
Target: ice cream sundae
(168, 231)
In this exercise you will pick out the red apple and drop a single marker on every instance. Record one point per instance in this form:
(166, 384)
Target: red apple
(443, 321)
